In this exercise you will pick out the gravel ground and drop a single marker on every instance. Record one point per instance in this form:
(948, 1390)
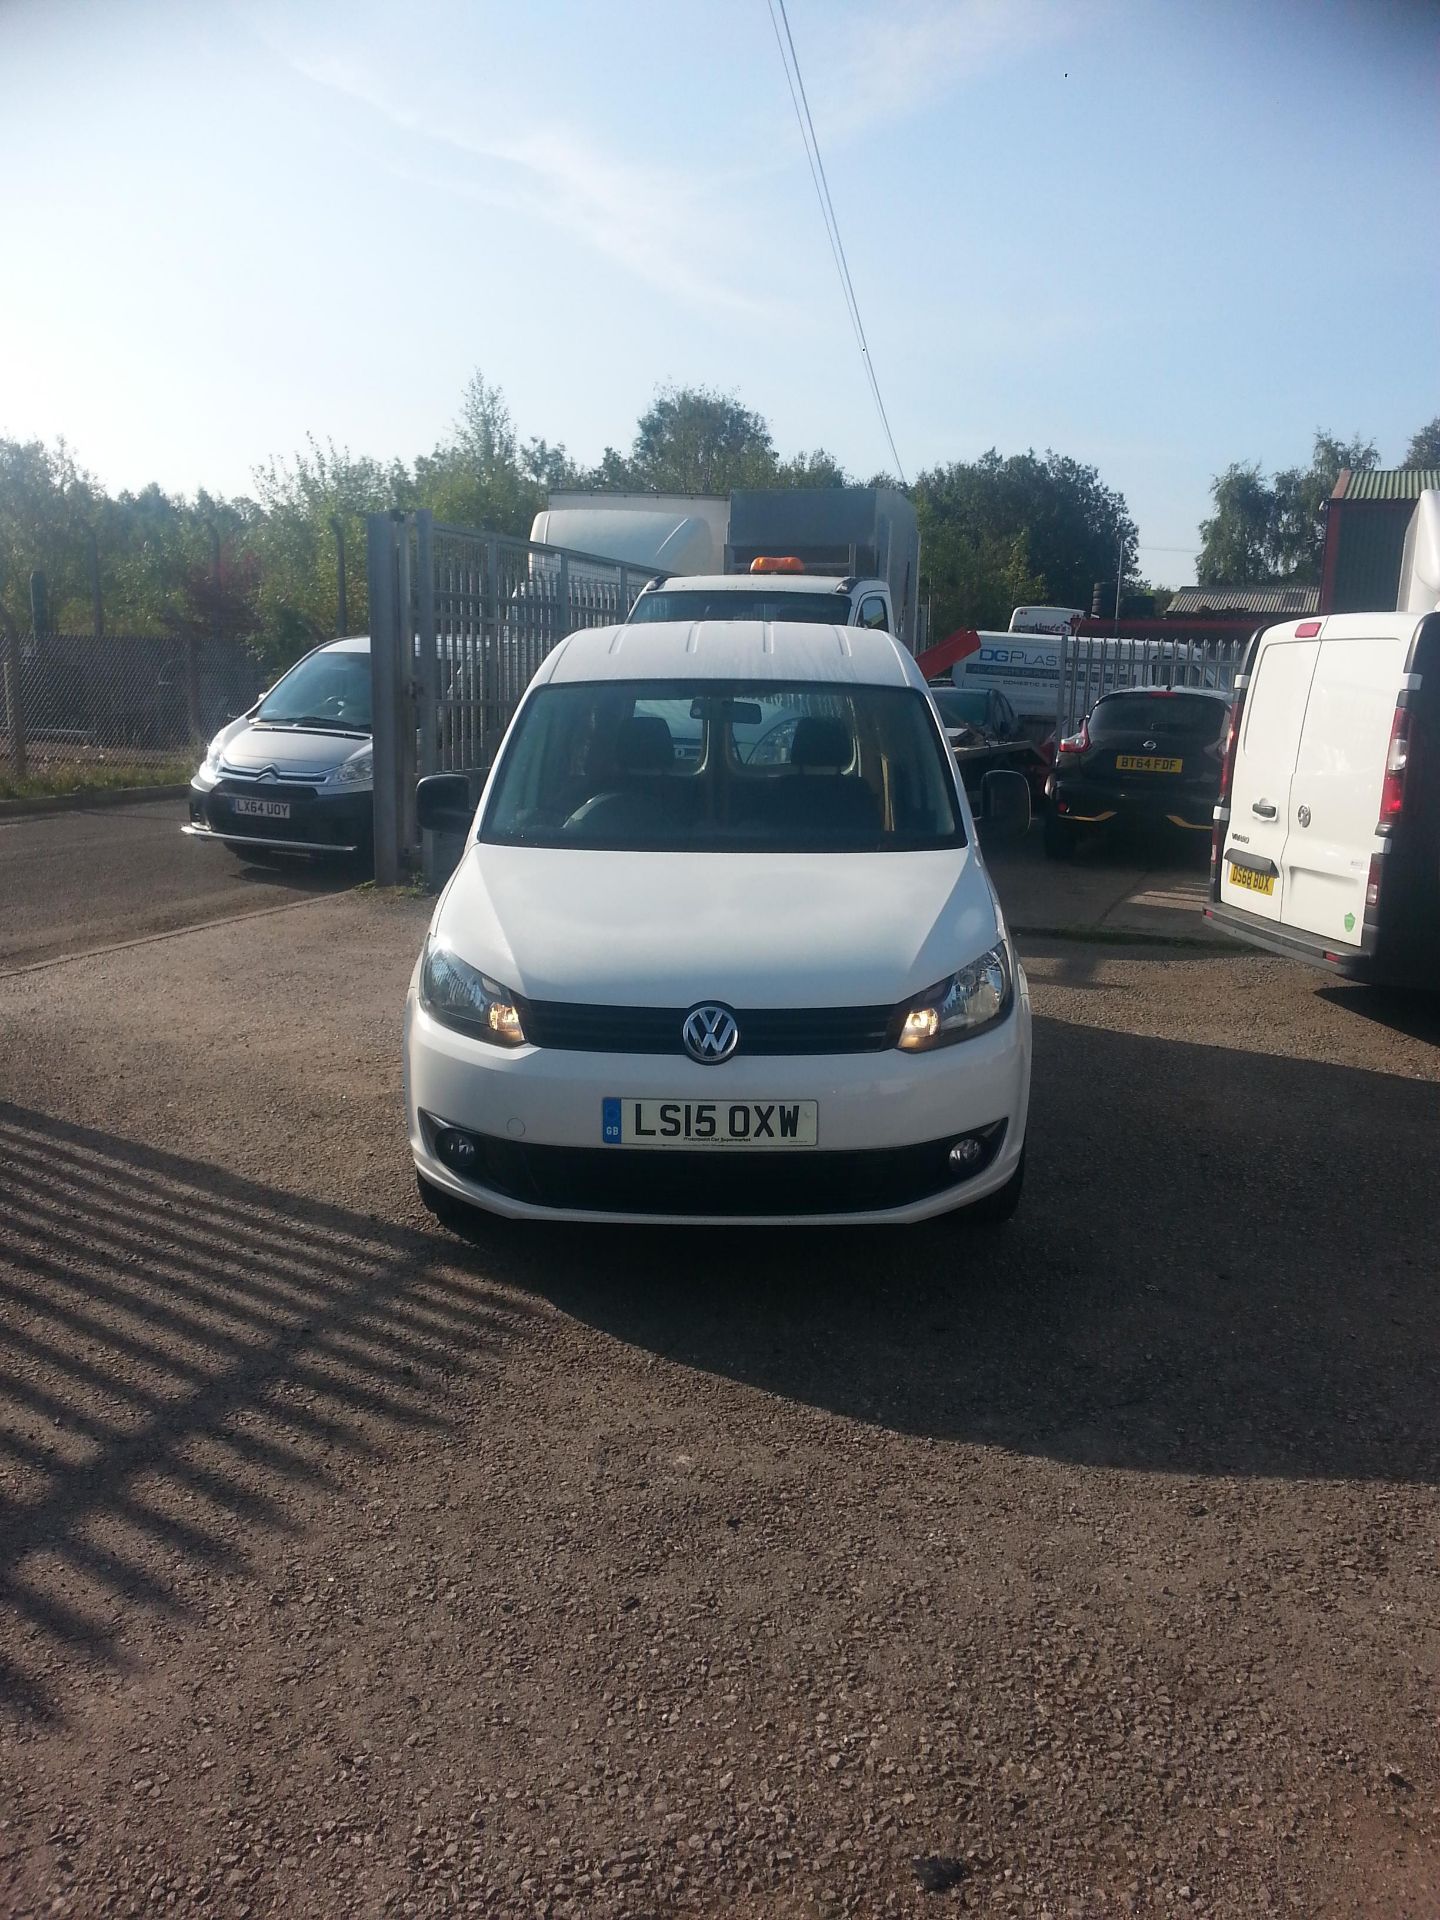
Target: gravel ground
(1084, 1566)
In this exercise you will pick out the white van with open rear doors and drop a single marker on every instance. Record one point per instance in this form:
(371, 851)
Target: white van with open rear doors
(1327, 833)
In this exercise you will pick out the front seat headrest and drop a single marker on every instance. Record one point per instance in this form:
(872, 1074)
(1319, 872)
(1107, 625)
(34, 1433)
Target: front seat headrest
(822, 744)
(644, 745)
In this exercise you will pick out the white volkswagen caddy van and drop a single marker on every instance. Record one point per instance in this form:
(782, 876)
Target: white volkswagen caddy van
(1327, 834)
(721, 946)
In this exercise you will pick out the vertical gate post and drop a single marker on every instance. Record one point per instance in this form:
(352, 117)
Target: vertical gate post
(385, 666)
(489, 649)
(192, 690)
(1067, 643)
(406, 689)
(427, 675)
(14, 695)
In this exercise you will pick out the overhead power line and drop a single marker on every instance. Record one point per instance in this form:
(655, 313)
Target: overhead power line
(796, 83)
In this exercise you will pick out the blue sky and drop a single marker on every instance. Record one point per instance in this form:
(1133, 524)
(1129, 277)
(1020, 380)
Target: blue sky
(1157, 237)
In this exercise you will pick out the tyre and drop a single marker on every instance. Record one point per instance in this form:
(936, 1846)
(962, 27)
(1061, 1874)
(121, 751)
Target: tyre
(451, 1213)
(1000, 1206)
(1060, 838)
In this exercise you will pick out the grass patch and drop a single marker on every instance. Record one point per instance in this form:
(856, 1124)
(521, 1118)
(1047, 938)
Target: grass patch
(53, 782)
(414, 888)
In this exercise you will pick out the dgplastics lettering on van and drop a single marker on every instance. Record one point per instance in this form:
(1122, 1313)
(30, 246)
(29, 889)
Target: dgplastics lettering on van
(1026, 669)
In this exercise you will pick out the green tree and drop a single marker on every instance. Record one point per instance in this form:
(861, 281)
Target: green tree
(817, 469)
(477, 478)
(695, 440)
(1274, 530)
(1237, 541)
(997, 532)
(47, 505)
(1424, 447)
(300, 501)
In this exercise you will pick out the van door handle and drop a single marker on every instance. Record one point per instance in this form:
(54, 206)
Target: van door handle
(1263, 808)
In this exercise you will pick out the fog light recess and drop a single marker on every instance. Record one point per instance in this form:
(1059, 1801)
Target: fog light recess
(966, 1153)
(460, 1151)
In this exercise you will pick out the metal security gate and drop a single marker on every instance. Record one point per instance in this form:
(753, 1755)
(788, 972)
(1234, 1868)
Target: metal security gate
(459, 621)
(1094, 663)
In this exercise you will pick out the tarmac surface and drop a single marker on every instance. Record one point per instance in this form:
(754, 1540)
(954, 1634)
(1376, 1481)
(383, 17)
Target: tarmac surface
(1081, 1566)
(72, 882)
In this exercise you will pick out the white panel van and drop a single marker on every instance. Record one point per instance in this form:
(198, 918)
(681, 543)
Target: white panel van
(1327, 834)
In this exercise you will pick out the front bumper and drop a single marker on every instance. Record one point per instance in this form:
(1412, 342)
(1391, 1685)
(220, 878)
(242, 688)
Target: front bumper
(886, 1120)
(319, 820)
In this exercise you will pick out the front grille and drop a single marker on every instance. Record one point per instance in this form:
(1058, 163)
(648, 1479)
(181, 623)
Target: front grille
(723, 1182)
(763, 1031)
(230, 785)
(331, 824)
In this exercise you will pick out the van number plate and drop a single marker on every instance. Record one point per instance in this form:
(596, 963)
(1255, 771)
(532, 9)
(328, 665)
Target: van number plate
(770, 1124)
(265, 809)
(1252, 882)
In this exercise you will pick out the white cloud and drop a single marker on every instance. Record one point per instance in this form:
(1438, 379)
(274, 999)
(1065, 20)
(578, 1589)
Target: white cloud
(644, 217)
(891, 58)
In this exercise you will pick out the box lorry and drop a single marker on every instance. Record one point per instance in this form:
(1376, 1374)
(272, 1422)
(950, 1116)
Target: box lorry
(867, 537)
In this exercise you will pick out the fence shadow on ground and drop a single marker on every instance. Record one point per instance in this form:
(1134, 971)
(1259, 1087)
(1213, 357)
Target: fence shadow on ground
(1224, 1264)
(181, 1352)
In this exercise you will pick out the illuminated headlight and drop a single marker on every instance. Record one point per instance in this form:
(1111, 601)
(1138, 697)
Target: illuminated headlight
(357, 771)
(969, 1002)
(458, 995)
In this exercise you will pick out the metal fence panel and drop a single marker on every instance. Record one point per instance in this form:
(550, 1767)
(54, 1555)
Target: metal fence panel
(471, 615)
(1091, 665)
(75, 702)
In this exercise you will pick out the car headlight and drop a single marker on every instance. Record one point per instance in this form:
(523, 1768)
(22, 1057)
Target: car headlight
(969, 1002)
(214, 753)
(357, 771)
(460, 996)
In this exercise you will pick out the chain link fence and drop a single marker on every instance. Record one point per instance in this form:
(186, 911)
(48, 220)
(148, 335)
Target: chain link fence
(77, 709)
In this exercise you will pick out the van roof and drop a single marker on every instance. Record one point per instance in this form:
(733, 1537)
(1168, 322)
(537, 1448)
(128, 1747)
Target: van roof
(783, 650)
(762, 583)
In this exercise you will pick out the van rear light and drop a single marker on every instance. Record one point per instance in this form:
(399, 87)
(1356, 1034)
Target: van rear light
(1397, 761)
(1232, 741)
(1227, 771)
(1307, 629)
(1372, 887)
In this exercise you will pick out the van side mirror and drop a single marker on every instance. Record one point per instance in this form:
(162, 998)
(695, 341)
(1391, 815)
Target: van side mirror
(1004, 807)
(443, 803)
